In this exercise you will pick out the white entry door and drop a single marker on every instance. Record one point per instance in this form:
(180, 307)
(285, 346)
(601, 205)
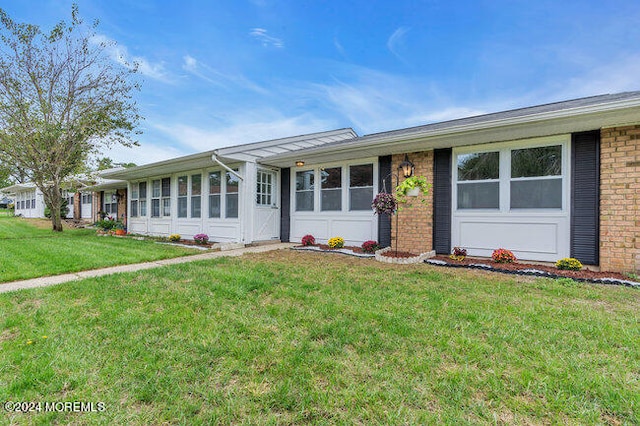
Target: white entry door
(267, 212)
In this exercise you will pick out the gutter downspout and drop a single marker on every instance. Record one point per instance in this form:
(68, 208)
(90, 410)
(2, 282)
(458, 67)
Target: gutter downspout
(214, 157)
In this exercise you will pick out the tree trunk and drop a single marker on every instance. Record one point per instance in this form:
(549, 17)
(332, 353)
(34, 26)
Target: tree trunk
(53, 200)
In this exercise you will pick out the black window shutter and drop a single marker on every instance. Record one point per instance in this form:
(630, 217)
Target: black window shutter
(384, 182)
(442, 201)
(585, 197)
(285, 203)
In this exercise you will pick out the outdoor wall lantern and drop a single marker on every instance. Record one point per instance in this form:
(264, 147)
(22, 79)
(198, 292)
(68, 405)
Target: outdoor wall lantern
(299, 163)
(406, 167)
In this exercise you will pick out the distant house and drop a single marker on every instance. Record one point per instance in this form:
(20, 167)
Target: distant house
(5, 202)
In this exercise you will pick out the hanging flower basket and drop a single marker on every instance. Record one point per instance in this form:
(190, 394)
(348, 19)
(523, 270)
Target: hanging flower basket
(384, 203)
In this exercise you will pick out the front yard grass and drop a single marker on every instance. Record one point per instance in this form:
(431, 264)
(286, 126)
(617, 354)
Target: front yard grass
(29, 249)
(304, 338)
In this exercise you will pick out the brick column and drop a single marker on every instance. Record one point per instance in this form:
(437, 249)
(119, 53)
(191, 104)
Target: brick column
(620, 199)
(122, 205)
(415, 218)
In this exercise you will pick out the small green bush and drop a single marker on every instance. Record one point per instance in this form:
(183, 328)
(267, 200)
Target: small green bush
(569, 263)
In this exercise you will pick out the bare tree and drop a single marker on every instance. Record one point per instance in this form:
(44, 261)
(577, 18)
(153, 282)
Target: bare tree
(61, 99)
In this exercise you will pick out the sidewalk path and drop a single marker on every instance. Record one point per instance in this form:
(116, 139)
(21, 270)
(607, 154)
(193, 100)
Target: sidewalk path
(58, 279)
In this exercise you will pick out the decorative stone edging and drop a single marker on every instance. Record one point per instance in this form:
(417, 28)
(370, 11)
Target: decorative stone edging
(402, 260)
(339, 251)
(535, 273)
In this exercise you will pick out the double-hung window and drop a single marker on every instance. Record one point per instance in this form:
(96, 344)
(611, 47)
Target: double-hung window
(536, 178)
(479, 180)
(196, 195)
(155, 198)
(331, 189)
(360, 187)
(215, 189)
(231, 198)
(183, 193)
(304, 191)
(134, 200)
(142, 197)
(166, 196)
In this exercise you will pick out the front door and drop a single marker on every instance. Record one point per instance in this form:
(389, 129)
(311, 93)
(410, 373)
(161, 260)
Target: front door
(267, 216)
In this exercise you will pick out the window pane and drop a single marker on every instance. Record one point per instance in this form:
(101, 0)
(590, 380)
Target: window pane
(214, 205)
(143, 208)
(536, 194)
(214, 183)
(483, 195)
(360, 198)
(531, 162)
(479, 166)
(155, 188)
(232, 205)
(182, 207)
(304, 201)
(134, 192)
(196, 184)
(166, 187)
(331, 178)
(155, 207)
(331, 199)
(195, 206)
(182, 186)
(143, 190)
(166, 206)
(134, 208)
(304, 180)
(232, 183)
(361, 176)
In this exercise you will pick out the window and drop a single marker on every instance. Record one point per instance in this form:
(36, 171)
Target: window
(110, 203)
(86, 199)
(536, 178)
(166, 196)
(360, 187)
(265, 188)
(196, 193)
(478, 180)
(133, 210)
(231, 198)
(215, 188)
(183, 192)
(155, 198)
(304, 191)
(331, 189)
(142, 197)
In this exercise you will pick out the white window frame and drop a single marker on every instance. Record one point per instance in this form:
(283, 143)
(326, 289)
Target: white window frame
(266, 191)
(504, 149)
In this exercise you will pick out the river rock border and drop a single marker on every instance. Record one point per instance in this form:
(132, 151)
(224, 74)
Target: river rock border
(402, 260)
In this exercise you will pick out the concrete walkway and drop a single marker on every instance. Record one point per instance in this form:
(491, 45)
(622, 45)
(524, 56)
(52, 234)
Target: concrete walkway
(58, 279)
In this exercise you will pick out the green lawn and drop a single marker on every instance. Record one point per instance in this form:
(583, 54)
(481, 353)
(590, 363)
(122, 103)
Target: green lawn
(28, 249)
(306, 338)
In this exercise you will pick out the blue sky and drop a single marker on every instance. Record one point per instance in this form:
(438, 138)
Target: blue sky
(220, 73)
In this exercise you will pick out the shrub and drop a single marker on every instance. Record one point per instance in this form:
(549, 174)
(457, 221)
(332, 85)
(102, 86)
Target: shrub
(174, 237)
(458, 253)
(308, 240)
(107, 224)
(503, 256)
(336, 242)
(569, 263)
(370, 246)
(201, 238)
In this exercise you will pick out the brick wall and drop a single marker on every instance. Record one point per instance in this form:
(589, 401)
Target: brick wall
(620, 199)
(415, 219)
(122, 205)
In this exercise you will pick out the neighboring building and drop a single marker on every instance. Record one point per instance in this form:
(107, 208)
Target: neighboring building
(5, 202)
(546, 182)
(28, 200)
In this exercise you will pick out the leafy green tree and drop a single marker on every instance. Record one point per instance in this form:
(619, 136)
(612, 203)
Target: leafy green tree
(62, 99)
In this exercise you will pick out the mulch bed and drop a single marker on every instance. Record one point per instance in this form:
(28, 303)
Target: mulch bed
(536, 270)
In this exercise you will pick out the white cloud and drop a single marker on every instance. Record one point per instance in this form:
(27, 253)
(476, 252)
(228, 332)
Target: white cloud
(396, 41)
(145, 153)
(121, 55)
(617, 75)
(210, 75)
(252, 126)
(265, 39)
